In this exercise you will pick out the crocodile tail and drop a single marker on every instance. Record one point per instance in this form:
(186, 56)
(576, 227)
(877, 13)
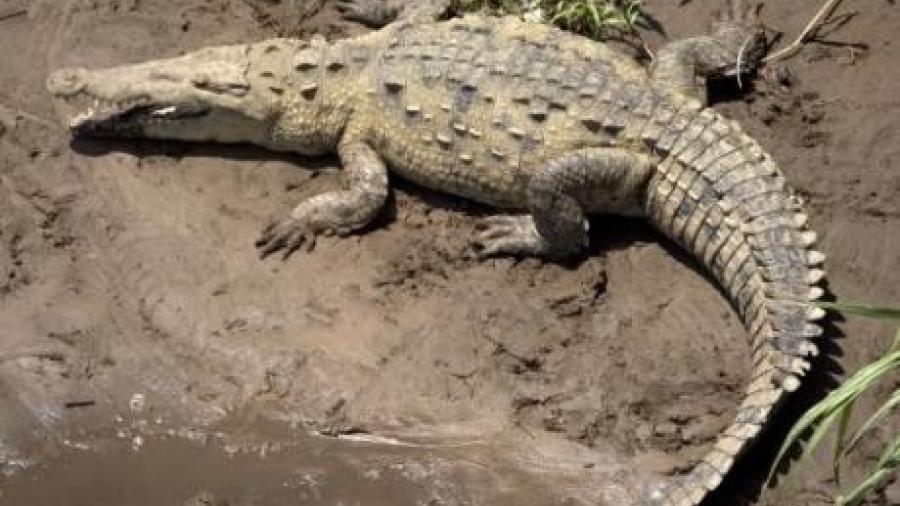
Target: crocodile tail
(716, 193)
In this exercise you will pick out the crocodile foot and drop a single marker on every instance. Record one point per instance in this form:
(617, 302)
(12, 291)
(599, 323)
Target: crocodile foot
(373, 13)
(288, 234)
(737, 12)
(510, 235)
(739, 32)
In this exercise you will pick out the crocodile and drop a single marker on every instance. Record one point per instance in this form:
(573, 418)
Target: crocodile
(549, 126)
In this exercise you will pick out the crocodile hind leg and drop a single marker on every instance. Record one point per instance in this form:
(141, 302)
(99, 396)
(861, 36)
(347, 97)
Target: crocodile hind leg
(339, 212)
(735, 46)
(378, 13)
(559, 195)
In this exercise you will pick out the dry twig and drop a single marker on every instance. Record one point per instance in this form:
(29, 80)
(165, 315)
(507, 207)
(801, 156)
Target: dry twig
(793, 47)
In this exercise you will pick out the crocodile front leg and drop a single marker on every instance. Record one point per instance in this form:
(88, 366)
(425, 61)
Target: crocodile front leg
(735, 47)
(339, 212)
(559, 195)
(378, 13)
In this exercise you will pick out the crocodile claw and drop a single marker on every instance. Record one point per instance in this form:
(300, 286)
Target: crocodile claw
(287, 235)
(509, 235)
(740, 12)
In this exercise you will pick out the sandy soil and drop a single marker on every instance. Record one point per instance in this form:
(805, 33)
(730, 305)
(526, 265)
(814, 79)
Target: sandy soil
(147, 356)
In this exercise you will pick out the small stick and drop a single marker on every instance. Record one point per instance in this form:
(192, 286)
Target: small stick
(740, 61)
(80, 404)
(798, 42)
(12, 14)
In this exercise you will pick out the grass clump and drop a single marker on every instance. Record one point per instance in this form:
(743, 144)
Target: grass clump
(836, 412)
(594, 18)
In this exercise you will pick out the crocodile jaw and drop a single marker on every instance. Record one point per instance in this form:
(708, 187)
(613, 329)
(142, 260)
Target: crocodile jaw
(94, 115)
(202, 96)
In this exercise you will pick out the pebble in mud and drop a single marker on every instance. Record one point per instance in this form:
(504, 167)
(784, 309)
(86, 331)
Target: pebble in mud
(136, 443)
(137, 403)
(204, 498)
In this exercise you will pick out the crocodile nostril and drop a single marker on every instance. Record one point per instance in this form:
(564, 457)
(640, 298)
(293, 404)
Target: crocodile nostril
(66, 81)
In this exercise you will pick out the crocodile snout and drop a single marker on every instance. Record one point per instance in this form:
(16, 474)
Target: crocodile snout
(67, 82)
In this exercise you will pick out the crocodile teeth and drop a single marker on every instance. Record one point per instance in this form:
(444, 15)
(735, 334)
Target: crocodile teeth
(164, 111)
(81, 118)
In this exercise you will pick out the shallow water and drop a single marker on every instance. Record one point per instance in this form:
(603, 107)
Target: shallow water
(175, 471)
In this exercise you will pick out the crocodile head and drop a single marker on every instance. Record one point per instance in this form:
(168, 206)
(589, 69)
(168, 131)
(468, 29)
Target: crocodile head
(207, 96)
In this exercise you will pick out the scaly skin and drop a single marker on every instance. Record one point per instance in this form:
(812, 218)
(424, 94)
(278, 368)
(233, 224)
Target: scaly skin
(523, 117)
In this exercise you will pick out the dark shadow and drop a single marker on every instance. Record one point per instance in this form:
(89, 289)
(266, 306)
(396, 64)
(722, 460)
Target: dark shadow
(179, 150)
(615, 233)
(731, 90)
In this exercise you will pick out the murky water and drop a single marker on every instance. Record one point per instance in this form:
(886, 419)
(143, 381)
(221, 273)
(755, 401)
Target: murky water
(170, 471)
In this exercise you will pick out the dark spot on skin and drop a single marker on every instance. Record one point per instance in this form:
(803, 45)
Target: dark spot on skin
(711, 231)
(309, 92)
(393, 86)
(411, 119)
(557, 103)
(684, 209)
(463, 99)
(592, 124)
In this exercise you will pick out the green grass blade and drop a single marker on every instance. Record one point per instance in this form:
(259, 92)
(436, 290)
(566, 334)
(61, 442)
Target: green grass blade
(843, 425)
(862, 309)
(595, 14)
(821, 429)
(891, 456)
(885, 408)
(838, 399)
(886, 466)
(810, 420)
(857, 495)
